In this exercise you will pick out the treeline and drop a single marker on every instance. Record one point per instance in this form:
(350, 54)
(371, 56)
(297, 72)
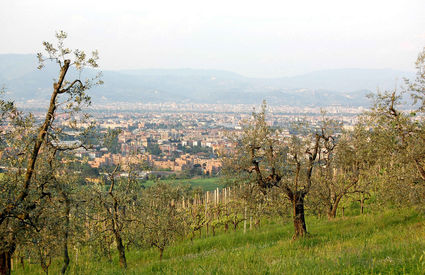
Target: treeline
(48, 209)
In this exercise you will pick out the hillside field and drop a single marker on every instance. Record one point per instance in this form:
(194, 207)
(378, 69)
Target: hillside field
(392, 242)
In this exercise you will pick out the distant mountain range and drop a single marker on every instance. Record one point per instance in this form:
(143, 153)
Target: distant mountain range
(346, 87)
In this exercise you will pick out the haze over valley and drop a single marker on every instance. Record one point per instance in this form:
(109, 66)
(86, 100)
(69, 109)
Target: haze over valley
(343, 87)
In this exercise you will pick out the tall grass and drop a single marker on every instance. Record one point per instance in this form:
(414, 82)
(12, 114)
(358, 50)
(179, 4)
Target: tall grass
(392, 242)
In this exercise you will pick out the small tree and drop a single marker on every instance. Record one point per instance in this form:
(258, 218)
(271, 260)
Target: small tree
(116, 205)
(342, 168)
(161, 222)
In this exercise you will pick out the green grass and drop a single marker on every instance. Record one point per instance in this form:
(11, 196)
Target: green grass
(392, 242)
(206, 184)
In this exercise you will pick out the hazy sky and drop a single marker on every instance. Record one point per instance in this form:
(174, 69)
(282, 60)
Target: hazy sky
(253, 38)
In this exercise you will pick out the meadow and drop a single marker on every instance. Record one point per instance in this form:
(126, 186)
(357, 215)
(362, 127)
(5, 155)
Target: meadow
(392, 242)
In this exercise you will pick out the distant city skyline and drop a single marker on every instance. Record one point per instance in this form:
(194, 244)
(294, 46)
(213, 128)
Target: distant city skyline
(267, 39)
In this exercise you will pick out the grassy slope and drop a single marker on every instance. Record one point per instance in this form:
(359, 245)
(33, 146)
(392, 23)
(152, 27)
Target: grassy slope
(388, 243)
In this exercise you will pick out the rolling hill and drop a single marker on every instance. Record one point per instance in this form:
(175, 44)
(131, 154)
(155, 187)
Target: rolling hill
(346, 87)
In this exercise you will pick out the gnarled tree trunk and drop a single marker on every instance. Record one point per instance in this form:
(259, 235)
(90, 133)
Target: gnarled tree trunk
(121, 250)
(115, 219)
(331, 212)
(299, 219)
(333, 207)
(161, 253)
(5, 262)
(6, 258)
(66, 234)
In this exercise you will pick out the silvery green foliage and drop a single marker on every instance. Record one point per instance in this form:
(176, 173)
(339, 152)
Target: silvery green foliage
(33, 156)
(398, 139)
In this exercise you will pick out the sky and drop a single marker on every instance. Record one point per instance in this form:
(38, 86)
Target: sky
(253, 38)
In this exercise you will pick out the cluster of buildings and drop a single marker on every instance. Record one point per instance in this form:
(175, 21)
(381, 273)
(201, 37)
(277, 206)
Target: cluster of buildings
(167, 142)
(182, 141)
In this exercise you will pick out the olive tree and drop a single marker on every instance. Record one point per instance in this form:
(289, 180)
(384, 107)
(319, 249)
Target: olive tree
(161, 222)
(343, 168)
(264, 156)
(114, 206)
(25, 142)
(398, 139)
